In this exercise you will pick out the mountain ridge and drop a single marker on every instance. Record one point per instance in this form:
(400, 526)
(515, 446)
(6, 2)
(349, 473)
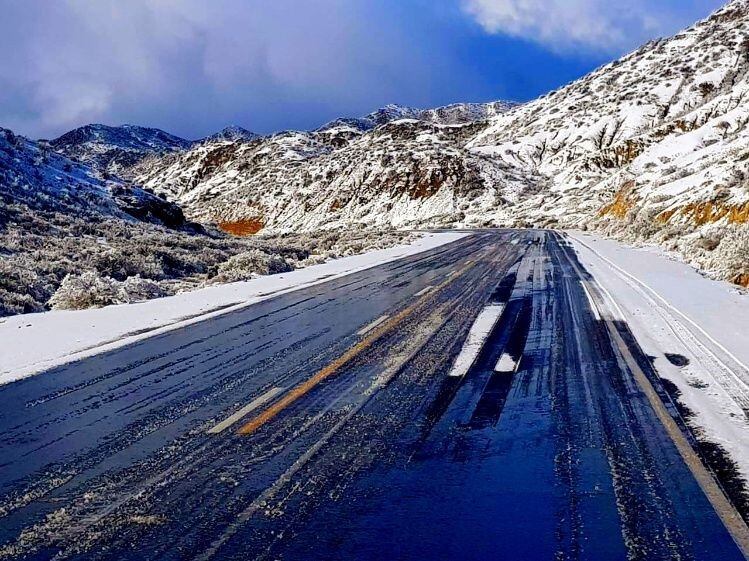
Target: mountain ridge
(650, 148)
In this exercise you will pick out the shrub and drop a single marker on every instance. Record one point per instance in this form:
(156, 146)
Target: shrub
(734, 251)
(13, 303)
(87, 290)
(123, 263)
(43, 251)
(249, 264)
(137, 289)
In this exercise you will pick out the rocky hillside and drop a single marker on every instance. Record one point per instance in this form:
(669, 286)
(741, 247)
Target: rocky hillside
(406, 173)
(59, 217)
(34, 176)
(69, 238)
(231, 133)
(454, 114)
(397, 166)
(652, 148)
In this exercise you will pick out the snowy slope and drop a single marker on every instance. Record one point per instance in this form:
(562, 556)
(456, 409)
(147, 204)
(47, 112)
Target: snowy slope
(454, 114)
(404, 173)
(34, 176)
(397, 166)
(58, 216)
(652, 147)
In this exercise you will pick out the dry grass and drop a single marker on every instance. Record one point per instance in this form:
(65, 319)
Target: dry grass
(622, 204)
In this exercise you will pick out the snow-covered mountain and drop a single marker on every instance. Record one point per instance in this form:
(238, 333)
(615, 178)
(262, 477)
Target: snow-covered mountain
(405, 173)
(34, 176)
(397, 166)
(116, 149)
(652, 147)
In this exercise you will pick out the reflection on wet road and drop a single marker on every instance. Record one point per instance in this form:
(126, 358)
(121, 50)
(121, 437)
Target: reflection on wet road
(324, 424)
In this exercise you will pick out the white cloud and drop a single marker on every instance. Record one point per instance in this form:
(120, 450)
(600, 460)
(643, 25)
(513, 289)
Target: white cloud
(565, 25)
(192, 66)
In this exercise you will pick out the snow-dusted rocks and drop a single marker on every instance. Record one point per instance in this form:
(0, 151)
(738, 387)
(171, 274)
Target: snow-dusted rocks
(406, 172)
(34, 175)
(454, 114)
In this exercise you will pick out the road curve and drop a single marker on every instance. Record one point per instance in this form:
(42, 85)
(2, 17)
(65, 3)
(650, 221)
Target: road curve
(323, 424)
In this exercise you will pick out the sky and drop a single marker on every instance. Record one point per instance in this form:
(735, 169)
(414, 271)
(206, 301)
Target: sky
(192, 67)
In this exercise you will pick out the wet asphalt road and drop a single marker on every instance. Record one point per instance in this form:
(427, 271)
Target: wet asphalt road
(322, 425)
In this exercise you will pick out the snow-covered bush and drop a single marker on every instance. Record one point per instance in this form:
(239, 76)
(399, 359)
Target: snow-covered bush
(91, 290)
(126, 262)
(249, 264)
(21, 289)
(87, 290)
(12, 303)
(137, 289)
(41, 246)
(733, 252)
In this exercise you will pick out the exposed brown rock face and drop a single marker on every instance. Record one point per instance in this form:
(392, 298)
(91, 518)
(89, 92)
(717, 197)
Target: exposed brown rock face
(242, 227)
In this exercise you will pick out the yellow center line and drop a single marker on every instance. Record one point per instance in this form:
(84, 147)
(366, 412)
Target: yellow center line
(304, 388)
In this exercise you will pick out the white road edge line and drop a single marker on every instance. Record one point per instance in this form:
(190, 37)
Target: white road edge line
(423, 291)
(593, 307)
(254, 404)
(477, 336)
(370, 326)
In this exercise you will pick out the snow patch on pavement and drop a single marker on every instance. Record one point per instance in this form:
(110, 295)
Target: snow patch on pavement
(477, 336)
(506, 364)
(672, 309)
(32, 343)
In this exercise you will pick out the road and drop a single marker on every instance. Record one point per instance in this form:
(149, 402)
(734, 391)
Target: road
(323, 425)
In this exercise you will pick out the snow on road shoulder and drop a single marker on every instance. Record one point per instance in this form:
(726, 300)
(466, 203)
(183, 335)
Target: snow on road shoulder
(693, 326)
(32, 343)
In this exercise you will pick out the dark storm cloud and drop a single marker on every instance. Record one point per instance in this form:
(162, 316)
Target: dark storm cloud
(194, 66)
